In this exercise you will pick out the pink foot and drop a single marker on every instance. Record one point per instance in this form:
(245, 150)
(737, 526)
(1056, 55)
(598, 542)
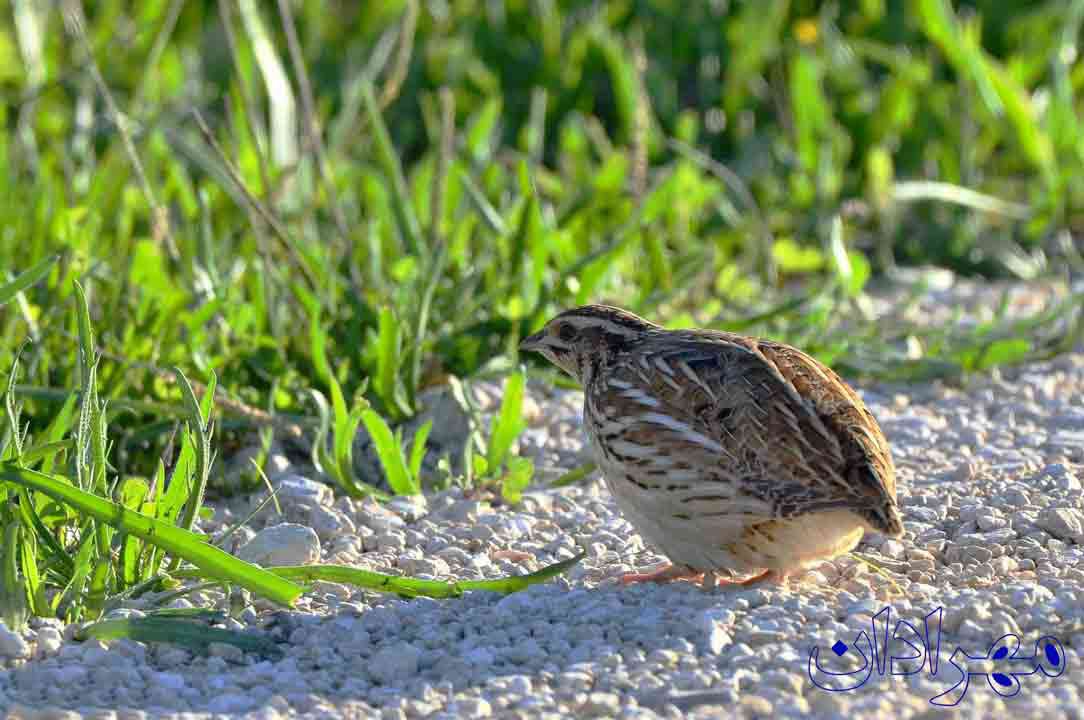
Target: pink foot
(669, 573)
(666, 573)
(516, 556)
(768, 577)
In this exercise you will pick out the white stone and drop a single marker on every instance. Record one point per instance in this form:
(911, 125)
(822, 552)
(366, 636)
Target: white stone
(329, 523)
(12, 644)
(230, 703)
(298, 488)
(471, 707)
(390, 541)
(714, 627)
(893, 549)
(1058, 476)
(432, 566)
(283, 544)
(49, 641)
(169, 680)
(394, 664)
(1063, 523)
(409, 507)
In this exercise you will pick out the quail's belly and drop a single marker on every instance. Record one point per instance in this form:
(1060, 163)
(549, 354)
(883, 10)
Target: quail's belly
(718, 540)
(643, 500)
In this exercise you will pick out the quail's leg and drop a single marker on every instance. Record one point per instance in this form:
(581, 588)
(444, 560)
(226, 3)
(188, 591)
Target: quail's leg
(768, 577)
(712, 580)
(516, 556)
(664, 574)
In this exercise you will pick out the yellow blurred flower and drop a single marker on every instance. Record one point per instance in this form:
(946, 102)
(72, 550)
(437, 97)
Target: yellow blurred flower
(806, 31)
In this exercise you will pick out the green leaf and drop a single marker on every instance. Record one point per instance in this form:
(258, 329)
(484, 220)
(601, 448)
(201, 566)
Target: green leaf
(852, 270)
(26, 279)
(13, 591)
(199, 427)
(178, 630)
(318, 342)
(133, 491)
(58, 427)
(417, 449)
(812, 113)
(390, 453)
(35, 588)
(343, 443)
(575, 475)
(389, 339)
(481, 127)
(489, 213)
(184, 544)
(412, 587)
(516, 480)
(1000, 92)
(99, 585)
(754, 37)
(1000, 352)
(180, 484)
(388, 159)
(88, 355)
(791, 257)
(509, 422)
(83, 564)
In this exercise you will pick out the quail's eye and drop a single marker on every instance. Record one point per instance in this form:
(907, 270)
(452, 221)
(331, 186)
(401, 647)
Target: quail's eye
(566, 332)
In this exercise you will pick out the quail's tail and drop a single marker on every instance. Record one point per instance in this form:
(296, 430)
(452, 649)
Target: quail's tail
(885, 518)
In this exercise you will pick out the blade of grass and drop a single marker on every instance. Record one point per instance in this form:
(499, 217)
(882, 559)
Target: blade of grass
(417, 449)
(913, 190)
(312, 122)
(200, 428)
(389, 341)
(35, 588)
(181, 543)
(390, 453)
(509, 423)
(575, 475)
(26, 279)
(179, 631)
(389, 161)
(13, 590)
(413, 587)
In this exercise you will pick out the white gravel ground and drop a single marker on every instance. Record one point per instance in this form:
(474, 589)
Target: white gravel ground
(989, 482)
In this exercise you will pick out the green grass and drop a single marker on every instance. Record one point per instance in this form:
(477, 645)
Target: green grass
(316, 217)
(86, 539)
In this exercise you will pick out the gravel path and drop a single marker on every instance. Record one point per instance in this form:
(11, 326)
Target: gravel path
(989, 482)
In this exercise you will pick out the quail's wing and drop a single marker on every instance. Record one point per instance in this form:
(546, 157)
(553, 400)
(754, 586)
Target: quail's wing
(842, 410)
(753, 429)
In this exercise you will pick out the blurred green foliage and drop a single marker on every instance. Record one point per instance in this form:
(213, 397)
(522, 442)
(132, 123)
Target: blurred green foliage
(362, 199)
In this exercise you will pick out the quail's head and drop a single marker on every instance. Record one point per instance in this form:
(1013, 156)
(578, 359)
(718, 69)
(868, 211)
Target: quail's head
(577, 337)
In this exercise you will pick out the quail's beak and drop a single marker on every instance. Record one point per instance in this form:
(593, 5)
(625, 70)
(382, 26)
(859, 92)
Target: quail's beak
(533, 343)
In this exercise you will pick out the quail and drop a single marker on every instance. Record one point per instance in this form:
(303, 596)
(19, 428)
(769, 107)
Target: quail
(740, 458)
